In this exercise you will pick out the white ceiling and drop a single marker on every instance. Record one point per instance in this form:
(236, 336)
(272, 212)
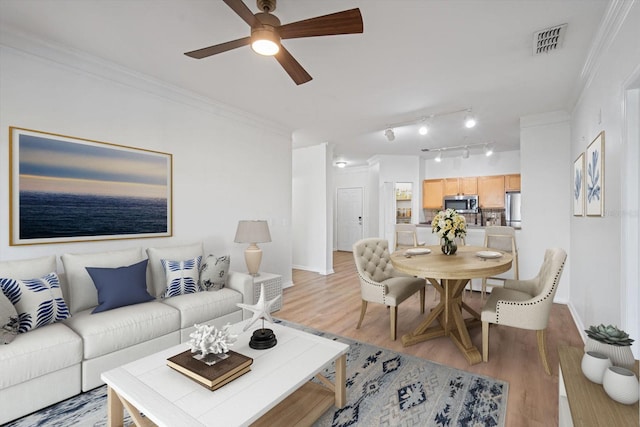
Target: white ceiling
(415, 58)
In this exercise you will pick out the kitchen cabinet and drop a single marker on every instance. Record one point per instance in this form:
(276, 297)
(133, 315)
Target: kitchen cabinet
(512, 182)
(491, 192)
(432, 193)
(460, 186)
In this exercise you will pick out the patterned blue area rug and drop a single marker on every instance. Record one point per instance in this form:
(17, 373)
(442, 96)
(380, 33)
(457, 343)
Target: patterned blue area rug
(384, 388)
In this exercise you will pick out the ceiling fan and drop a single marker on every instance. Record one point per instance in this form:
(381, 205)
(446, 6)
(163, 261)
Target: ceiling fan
(266, 34)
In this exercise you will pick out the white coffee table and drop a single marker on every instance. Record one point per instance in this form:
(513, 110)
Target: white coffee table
(276, 391)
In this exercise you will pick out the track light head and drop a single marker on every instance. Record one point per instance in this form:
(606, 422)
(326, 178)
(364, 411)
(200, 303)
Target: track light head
(389, 134)
(465, 153)
(469, 121)
(438, 157)
(488, 150)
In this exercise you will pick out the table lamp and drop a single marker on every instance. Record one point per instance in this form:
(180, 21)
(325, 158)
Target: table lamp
(253, 232)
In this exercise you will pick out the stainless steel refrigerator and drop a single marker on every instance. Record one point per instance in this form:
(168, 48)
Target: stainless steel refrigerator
(512, 204)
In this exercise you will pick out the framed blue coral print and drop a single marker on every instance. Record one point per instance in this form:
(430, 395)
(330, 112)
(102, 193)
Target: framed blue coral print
(594, 178)
(68, 189)
(578, 186)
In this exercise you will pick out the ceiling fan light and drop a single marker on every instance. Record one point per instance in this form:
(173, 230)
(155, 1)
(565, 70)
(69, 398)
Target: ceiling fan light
(264, 41)
(423, 130)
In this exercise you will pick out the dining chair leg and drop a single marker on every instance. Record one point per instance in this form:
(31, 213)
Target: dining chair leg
(363, 309)
(394, 321)
(423, 291)
(485, 341)
(543, 351)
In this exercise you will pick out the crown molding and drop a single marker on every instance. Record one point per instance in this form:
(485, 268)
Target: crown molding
(80, 61)
(611, 23)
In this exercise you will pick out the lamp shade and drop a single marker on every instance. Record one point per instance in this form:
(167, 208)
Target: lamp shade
(252, 232)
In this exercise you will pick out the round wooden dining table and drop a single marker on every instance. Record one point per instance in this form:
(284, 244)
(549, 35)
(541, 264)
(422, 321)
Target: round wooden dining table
(449, 274)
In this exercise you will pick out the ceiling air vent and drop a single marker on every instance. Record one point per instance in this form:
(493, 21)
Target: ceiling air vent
(544, 41)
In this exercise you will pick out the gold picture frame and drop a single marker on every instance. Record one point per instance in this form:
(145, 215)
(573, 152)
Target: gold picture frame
(69, 189)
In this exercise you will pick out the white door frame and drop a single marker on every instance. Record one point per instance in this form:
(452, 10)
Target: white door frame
(338, 214)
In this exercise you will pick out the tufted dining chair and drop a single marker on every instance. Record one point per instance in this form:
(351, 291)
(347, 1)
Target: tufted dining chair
(503, 239)
(525, 304)
(380, 282)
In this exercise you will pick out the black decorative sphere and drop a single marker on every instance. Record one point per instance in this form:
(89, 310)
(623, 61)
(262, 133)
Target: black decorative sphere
(263, 339)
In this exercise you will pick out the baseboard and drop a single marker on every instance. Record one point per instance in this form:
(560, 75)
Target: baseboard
(305, 268)
(576, 320)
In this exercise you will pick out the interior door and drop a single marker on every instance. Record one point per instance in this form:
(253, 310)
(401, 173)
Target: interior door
(349, 221)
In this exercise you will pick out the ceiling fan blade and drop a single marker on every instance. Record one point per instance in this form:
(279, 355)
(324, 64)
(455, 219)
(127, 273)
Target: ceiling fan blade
(345, 22)
(292, 67)
(243, 12)
(219, 48)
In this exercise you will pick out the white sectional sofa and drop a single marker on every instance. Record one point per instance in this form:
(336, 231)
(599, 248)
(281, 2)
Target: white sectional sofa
(51, 363)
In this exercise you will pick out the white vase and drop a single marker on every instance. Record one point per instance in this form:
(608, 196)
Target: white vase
(594, 366)
(619, 355)
(621, 385)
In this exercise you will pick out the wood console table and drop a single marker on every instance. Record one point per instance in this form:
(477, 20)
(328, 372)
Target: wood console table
(589, 404)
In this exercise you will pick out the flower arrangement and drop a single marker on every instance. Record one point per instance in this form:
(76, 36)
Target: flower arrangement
(449, 224)
(609, 335)
(210, 340)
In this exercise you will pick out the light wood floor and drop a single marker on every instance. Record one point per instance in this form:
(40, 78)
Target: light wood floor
(332, 303)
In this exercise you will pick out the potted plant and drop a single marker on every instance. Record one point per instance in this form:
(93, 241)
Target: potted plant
(611, 341)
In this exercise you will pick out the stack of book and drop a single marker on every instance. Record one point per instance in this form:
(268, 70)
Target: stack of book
(211, 376)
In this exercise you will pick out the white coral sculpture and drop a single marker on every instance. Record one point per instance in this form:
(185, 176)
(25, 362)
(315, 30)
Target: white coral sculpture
(210, 340)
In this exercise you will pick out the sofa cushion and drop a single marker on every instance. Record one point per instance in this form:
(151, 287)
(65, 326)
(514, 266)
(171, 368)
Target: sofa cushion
(112, 330)
(19, 269)
(158, 279)
(214, 272)
(38, 302)
(120, 286)
(82, 292)
(182, 276)
(41, 351)
(203, 306)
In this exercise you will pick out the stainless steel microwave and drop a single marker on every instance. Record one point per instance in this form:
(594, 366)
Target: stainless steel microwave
(462, 204)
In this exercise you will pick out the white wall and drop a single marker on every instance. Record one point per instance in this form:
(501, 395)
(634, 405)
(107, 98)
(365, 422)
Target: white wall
(546, 194)
(227, 166)
(312, 209)
(598, 291)
(499, 163)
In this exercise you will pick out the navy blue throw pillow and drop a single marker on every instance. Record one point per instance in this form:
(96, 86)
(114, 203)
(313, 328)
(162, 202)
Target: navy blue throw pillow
(120, 286)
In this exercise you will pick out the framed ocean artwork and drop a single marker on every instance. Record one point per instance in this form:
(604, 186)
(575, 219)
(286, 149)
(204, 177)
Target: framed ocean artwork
(68, 189)
(594, 178)
(578, 186)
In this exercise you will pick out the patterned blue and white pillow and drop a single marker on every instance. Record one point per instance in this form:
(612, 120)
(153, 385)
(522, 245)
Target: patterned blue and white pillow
(39, 302)
(182, 276)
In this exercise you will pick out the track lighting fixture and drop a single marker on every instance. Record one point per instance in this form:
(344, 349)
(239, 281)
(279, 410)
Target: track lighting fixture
(486, 146)
(423, 121)
(389, 134)
(341, 163)
(469, 121)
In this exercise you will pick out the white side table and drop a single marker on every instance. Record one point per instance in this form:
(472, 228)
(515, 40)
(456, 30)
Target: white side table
(272, 288)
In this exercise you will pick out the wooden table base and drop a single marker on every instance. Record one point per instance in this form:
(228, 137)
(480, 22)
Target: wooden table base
(450, 322)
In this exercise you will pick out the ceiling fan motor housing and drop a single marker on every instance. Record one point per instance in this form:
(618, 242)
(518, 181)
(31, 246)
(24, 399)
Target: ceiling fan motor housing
(266, 5)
